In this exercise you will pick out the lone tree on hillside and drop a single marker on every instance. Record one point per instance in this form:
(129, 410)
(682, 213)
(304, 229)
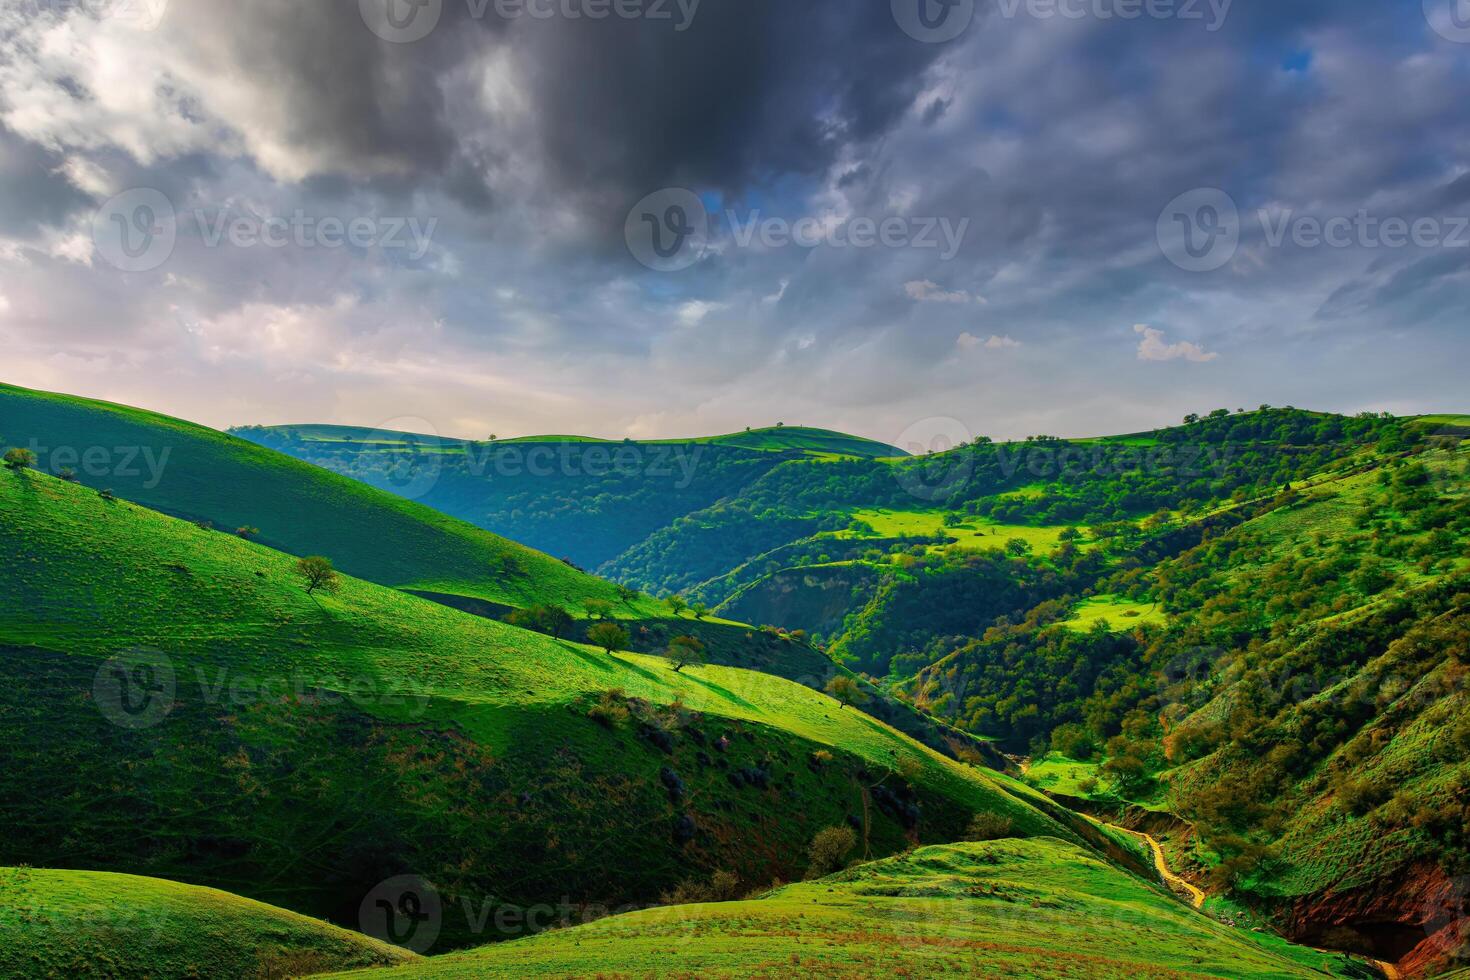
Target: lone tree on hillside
(610, 636)
(846, 690)
(685, 651)
(19, 459)
(677, 603)
(700, 610)
(318, 573)
(598, 609)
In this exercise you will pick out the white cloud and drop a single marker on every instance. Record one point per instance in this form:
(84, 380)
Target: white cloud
(1153, 347)
(925, 291)
(692, 314)
(968, 341)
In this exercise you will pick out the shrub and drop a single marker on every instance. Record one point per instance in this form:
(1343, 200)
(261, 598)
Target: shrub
(829, 851)
(610, 711)
(989, 826)
(19, 459)
(723, 886)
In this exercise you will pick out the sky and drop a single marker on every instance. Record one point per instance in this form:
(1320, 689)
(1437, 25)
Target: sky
(908, 219)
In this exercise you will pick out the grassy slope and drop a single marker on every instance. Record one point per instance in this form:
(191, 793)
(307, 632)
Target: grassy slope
(1037, 908)
(85, 924)
(298, 508)
(491, 748)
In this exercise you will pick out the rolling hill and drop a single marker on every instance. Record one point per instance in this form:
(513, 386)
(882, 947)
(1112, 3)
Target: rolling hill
(202, 475)
(1035, 908)
(178, 706)
(83, 924)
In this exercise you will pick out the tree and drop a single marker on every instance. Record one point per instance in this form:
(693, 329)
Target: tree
(685, 651)
(318, 574)
(829, 851)
(610, 636)
(548, 619)
(678, 604)
(846, 690)
(247, 532)
(67, 474)
(19, 459)
(626, 593)
(598, 609)
(700, 610)
(1018, 547)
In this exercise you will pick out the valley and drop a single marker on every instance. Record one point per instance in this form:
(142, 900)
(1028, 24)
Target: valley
(1181, 703)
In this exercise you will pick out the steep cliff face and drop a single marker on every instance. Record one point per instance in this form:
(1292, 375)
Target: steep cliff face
(1418, 919)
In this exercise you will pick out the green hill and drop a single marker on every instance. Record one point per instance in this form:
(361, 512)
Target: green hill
(202, 475)
(83, 924)
(1036, 908)
(586, 500)
(177, 706)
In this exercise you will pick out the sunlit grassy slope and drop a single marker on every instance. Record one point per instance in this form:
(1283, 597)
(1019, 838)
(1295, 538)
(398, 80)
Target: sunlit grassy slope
(1036, 908)
(200, 474)
(84, 924)
(318, 744)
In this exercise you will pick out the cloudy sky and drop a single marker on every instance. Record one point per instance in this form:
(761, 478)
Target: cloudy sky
(670, 217)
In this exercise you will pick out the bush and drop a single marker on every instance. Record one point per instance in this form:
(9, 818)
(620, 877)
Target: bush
(723, 886)
(829, 851)
(610, 711)
(19, 459)
(989, 826)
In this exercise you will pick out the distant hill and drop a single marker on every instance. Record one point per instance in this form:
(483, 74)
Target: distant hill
(773, 439)
(89, 925)
(1037, 908)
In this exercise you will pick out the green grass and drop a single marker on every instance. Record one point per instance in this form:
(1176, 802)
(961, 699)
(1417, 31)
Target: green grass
(975, 534)
(68, 924)
(299, 508)
(377, 731)
(1036, 908)
(1118, 613)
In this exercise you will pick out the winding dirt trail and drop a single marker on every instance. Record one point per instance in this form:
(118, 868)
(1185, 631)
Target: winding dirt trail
(1197, 897)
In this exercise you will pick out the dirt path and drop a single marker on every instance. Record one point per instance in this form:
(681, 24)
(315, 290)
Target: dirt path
(1197, 897)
